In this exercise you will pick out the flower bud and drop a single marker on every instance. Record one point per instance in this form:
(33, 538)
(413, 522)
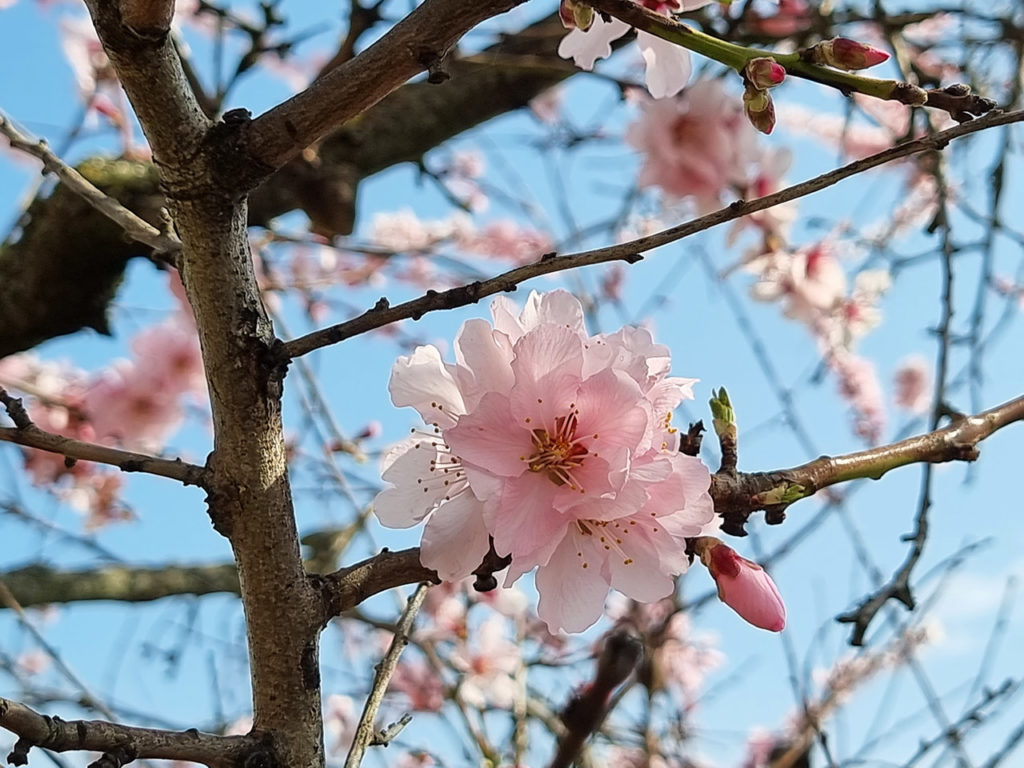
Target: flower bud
(764, 73)
(843, 53)
(575, 15)
(743, 585)
(759, 108)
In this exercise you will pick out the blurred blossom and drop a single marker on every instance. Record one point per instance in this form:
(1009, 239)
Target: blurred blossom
(912, 383)
(488, 661)
(696, 145)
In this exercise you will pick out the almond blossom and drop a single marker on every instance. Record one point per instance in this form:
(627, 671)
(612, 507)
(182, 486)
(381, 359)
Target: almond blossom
(696, 145)
(558, 446)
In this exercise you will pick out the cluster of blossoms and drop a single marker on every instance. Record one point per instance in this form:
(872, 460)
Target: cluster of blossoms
(557, 446)
(811, 285)
(135, 404)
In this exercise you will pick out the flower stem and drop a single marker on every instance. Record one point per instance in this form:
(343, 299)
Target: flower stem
(737, 56)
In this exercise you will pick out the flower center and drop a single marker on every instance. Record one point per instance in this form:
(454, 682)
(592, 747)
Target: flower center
(558, 452)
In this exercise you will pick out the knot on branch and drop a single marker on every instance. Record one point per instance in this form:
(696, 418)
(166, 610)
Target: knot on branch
(436, 65)
(958, 100)
(117, 757)
(492, 563)
(19, 753)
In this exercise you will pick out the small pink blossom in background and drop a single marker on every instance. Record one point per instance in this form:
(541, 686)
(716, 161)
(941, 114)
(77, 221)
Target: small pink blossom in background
(556, 444)
(743, 585)
(419, 683)
(239, 727)
(696, 145)
(810, 282)
(912, 384)
(340, 720)
(792, 17)
(859, 385)
(34, 662)
(415, 760)
(547, 107)
(668, 65)
(488, 661)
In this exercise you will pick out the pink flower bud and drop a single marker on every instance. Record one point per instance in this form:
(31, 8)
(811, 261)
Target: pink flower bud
(743, 585)
(764, 73)
(842, 53)
(575, 15)
(759, 108)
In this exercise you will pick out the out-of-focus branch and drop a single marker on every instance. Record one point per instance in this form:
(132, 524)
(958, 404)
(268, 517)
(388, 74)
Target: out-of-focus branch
(587, 708)
(27, 434)
(416, 44)
(631, 251)
(122, 742)
(41, 585)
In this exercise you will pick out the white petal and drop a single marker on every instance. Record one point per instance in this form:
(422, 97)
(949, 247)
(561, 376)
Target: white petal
(422, 381)
(668, 65)
(455, 540)
(409, 470)
(584, 48)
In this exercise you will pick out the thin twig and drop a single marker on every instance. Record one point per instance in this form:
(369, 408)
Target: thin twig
(135, 227)
(631, 251)
(365, 732)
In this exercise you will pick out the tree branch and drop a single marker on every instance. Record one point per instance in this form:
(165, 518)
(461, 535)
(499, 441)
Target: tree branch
(36, 730)
(135, 227)
(27, 434)
(365, 733)
(384, 314)
(736, 498)
(414, 45)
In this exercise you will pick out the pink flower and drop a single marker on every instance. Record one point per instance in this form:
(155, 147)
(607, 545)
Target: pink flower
(743, 585)
(420, 684)
(912, 381)
(668, 64)
(558, 445)
(858, 383)
(698, 145)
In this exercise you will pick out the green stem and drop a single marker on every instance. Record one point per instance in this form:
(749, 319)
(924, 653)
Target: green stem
(737, 56)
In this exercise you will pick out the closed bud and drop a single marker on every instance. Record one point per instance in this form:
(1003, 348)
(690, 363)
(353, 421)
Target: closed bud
(575, 15)
(764, 73)
(743, 585)
(842, 53)
(759, 108)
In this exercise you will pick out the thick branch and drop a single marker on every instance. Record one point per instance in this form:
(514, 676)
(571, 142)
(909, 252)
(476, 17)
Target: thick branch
(36, 730)
(416, 44)
(384, 314)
